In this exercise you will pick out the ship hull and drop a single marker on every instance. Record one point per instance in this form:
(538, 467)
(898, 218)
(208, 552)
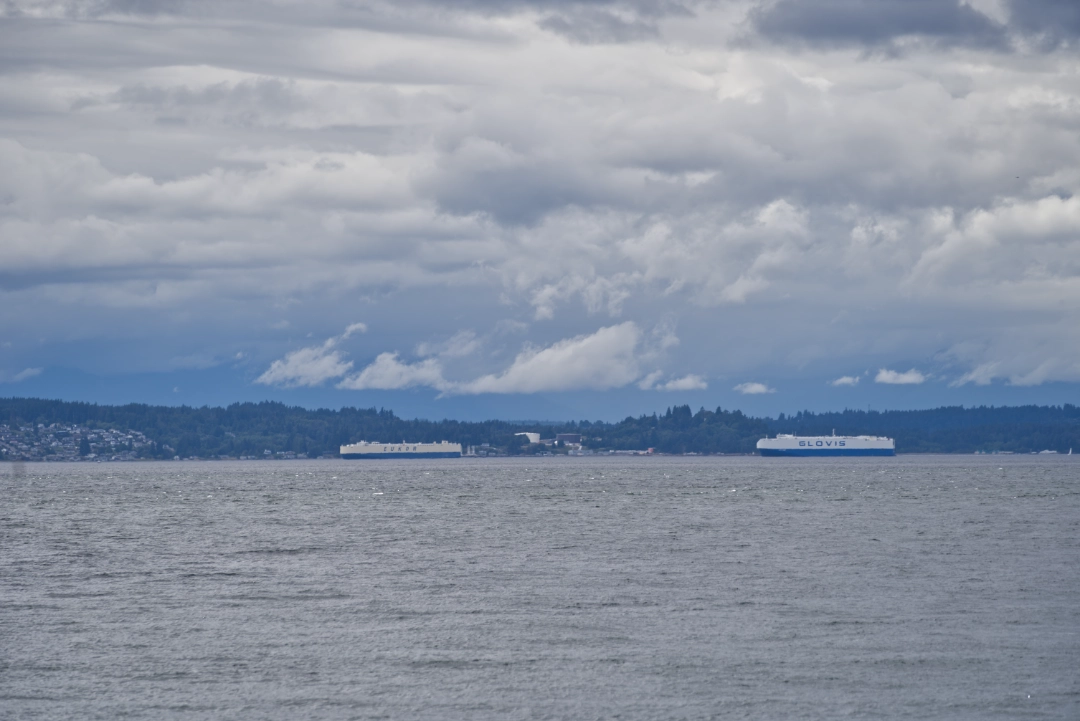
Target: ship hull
(825, 446)
(366, 449)
(380, 456)
(817, 452)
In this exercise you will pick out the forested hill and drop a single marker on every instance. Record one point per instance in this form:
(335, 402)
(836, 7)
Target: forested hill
(250, 429)
(952, 429)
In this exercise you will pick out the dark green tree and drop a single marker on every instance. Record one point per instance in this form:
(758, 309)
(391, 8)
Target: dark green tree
(248, 428)
(516, 445)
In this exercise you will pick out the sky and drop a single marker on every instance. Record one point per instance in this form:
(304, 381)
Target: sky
(541, 209)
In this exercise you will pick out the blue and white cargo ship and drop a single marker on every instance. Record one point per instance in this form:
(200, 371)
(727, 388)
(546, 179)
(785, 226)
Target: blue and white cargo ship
(834, 445)
(364, 449)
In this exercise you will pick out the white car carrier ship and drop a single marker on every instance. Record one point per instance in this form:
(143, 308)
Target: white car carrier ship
(834, 445)
(364, 449)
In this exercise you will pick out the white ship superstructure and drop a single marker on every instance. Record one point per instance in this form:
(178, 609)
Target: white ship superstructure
(374, 449)
(791, 445)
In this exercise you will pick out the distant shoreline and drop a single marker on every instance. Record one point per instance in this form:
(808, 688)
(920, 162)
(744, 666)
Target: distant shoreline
(48, 430)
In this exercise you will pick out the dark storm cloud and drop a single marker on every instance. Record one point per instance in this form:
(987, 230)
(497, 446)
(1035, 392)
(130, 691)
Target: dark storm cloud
(598, 27)
(1043, 24)
(588, 21)
(1049, 22)
(646, 7)
(876, 23)
(145, 7)
(516, 195)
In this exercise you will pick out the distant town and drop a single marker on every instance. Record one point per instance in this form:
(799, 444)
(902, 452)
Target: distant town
(60, 442)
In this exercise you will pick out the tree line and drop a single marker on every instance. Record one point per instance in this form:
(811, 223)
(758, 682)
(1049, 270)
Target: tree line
(250, 429)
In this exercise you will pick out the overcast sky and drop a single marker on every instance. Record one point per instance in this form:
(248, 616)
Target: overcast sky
(541, 208)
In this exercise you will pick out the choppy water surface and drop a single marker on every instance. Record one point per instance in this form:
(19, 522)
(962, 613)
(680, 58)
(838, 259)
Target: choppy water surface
(632, 588)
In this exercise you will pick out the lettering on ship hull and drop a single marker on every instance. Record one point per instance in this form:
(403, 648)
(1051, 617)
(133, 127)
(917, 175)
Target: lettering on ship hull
(365, 449)
(808, 446)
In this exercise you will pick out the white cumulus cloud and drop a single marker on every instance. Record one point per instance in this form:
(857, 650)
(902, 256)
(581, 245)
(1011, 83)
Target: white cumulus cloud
(981, 375)
(307, 367)
(312, 365)
(612, 357)
(354, 328)
(649, 381)
(845, 381)
(26, 373)
(753, 389)
(690, 382)
(605, 359)
(22, 375)
(387, 372)
(461, 344)
(891, 377)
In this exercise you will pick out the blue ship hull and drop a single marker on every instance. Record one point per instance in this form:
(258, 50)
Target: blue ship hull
(354, 456)
(814, 452)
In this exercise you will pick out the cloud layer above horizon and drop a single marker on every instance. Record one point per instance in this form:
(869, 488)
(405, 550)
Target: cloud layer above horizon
(543, 196)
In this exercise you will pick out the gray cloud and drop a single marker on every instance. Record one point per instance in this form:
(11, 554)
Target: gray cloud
(452, 167)
(645, 8)
(608, 22)
(95, 8)
(884, 24)
(891, 377)
(1050, 23)
(876, 22)
(599, 27)
(751, 388)
(19, 377)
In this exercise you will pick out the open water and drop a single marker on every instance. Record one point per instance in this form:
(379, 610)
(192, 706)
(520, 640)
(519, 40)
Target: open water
(918, 587)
